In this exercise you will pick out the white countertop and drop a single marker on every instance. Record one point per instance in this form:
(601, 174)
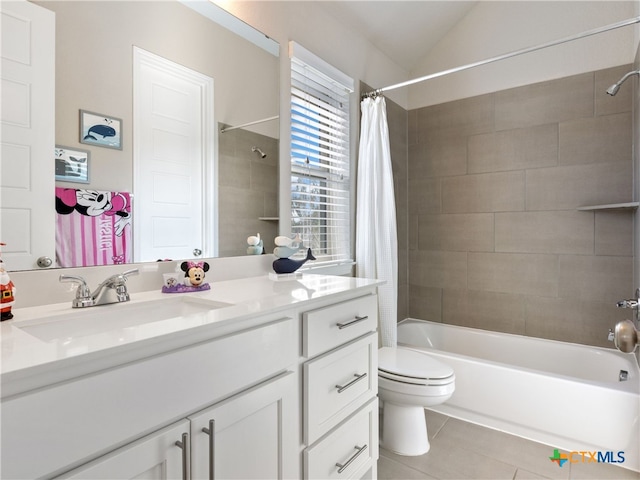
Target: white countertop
(26, 356)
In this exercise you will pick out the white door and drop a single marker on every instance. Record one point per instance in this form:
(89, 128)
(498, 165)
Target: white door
(253, 435)
(27, 203)
(154, 457)
(173, 160)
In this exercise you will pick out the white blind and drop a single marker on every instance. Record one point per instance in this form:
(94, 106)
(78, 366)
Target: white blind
(320, 210)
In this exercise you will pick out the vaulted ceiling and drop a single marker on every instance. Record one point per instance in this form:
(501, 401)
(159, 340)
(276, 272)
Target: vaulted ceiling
(403, 30)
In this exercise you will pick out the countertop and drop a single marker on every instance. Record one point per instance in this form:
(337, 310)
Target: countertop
(29, 362)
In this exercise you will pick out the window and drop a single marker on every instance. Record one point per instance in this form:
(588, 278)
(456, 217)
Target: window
(320, 156)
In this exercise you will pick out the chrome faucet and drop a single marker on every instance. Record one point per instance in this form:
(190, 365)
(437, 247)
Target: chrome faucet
(631, 303)
(112, 290)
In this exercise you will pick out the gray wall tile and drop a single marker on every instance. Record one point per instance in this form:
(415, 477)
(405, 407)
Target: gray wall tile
(527, 274)
(570, 187)
(603, 139)
(546, 102)
(514, 149)
(571, 321)
(488, 192)
(545, 232)
(425, 303)
(595, 278)
(438, 269)
(465, 117)
(502, 312)
(456, 232)
(425, 195)
(446, 155)
(522, 160)
(614, 233)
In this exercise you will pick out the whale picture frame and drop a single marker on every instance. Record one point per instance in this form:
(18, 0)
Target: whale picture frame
(100, 130)
(72, 164)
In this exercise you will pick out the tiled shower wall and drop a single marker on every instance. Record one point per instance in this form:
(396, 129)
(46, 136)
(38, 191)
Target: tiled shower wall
(248, 190)
(495, 240)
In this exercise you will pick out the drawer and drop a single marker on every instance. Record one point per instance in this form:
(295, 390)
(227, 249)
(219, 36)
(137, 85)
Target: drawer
(337, 384)
(326, 328)
(353, 446)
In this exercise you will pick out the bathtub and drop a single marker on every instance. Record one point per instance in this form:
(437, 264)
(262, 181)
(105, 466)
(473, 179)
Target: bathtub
(565, 395)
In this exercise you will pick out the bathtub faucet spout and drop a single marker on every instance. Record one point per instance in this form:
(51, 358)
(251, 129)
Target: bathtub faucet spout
(627, 304)
(633, 303)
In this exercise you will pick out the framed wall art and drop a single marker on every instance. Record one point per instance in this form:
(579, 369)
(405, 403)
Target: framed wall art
(101, 130)
(72, 164)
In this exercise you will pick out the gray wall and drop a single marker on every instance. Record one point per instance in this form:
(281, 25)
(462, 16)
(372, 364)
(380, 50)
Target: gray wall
(494, 237)
(247, 190)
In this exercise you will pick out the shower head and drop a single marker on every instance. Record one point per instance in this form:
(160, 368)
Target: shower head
(613, 89)
(256, 149)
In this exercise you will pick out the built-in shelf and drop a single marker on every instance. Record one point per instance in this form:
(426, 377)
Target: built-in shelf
(612, 206)
(269, 219)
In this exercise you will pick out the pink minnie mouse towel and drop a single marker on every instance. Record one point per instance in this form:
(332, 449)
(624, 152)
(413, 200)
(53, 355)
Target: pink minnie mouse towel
(92, 227)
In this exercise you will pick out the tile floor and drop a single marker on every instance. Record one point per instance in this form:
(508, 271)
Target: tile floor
(461, 450)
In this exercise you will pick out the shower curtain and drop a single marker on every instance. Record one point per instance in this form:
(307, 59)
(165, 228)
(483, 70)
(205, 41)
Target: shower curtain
(376, 234)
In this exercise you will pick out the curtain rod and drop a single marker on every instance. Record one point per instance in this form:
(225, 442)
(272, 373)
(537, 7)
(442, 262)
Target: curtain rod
(578, 36)
(222, 130)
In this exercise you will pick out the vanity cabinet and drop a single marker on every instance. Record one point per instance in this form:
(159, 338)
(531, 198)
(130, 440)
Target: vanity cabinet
(340, 386)
(248, 426)
(287, 392)
(55, 428)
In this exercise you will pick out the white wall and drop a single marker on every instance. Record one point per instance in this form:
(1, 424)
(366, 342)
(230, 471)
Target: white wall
(308, 24)
(495, 28)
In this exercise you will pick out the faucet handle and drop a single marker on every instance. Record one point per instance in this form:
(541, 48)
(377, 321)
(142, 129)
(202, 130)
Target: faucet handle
(128, 273)
(83, 294)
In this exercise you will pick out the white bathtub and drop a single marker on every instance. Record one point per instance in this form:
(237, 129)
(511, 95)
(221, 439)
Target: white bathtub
(565, 395)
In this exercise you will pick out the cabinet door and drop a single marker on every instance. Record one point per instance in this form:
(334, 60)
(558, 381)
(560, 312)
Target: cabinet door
(154, 457)
(253, 434)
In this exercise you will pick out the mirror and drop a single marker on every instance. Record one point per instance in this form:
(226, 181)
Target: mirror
(95, 73)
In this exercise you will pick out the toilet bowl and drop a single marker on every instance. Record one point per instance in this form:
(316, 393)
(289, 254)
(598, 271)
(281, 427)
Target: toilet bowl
(409, 381)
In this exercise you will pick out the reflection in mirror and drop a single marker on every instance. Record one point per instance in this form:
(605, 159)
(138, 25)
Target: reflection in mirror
(95, 72)
(247, 190)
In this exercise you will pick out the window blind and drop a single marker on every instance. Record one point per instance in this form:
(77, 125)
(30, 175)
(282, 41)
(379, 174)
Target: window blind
(320, 161)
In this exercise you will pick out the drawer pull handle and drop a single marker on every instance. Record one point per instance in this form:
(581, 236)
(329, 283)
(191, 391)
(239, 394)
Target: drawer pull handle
(342, 388)
(184, 445)
(352, 322)
(212, 447)
(342, 467)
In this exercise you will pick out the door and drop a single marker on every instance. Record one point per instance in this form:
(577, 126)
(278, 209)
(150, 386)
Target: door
(173, 160)
(154, 457)
(253, 434)
(27, 203)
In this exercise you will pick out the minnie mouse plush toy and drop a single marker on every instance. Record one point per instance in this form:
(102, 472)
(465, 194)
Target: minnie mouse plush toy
(194, 273)
(193, 278)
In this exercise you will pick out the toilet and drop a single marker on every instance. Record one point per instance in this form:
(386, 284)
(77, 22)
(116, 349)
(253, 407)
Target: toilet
(409, 381)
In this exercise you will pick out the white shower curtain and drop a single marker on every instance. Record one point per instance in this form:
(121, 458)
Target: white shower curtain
(376, 233)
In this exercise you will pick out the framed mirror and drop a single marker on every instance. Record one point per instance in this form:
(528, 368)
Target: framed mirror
(208, 190)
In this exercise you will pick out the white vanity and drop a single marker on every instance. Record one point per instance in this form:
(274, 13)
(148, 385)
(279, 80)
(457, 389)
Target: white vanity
(252, 379)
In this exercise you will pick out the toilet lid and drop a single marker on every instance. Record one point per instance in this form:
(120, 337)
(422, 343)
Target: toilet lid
(412, 364)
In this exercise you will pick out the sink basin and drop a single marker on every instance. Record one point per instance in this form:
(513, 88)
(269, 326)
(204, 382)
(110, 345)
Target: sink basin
(117, 316)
